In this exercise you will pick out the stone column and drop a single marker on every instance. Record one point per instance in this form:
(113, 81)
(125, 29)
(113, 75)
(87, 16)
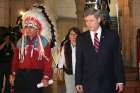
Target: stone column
(79, 12)
(126, 27)
(136, 26)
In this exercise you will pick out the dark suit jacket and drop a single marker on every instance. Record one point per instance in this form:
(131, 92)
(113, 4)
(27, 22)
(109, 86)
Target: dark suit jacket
(99, 72)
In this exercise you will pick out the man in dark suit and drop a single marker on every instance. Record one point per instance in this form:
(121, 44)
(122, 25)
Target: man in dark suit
(99, 67)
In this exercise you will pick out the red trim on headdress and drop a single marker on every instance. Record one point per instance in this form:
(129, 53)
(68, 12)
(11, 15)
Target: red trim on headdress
(34, 21)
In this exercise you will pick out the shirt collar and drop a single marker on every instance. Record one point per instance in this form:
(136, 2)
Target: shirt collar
(97, 31)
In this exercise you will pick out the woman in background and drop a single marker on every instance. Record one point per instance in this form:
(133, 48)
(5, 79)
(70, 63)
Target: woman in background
(67, 59)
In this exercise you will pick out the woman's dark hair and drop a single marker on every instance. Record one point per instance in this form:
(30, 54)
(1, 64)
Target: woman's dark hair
(74, 29)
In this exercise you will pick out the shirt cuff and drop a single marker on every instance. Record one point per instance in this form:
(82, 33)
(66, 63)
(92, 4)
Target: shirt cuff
(60, 66)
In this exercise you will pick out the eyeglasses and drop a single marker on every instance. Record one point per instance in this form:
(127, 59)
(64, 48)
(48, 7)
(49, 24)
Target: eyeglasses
(31, 27)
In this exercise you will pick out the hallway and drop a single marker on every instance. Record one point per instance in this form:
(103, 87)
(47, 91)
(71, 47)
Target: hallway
(132, 84)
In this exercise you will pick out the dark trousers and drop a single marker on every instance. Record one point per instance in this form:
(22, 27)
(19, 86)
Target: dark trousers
(26, 81)
(5, 70)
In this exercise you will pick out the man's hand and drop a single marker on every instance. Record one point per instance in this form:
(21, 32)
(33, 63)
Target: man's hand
(119, 87)
(79, 88)
(59, 71)
(12, 79)
(45, 82)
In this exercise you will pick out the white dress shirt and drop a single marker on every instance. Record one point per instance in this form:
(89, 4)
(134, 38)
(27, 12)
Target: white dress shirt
(98, 35)
(61, 62)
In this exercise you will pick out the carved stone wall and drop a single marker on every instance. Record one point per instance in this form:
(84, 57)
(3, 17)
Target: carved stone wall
(4, 15)
(79, 12)
(136, 26)
(130, 23)
(125, 31)
(10, 10)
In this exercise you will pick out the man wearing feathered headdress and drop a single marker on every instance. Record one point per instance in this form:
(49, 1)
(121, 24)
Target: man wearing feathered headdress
(32, 59)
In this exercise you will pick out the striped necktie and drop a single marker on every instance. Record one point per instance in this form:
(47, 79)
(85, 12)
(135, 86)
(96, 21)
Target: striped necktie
(96, 42)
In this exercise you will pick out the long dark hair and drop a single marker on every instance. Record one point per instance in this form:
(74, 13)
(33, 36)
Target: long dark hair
(74, 29)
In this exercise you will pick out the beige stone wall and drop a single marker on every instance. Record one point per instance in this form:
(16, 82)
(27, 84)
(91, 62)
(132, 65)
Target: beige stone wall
(126, 31)
(4, 13)
(64, 24)
(17, 6)
(65, 8)
(113, 8)
(10, 10)
(129, 20)
(136, 26)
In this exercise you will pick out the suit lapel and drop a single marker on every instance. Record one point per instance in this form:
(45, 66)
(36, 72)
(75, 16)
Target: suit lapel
(89, 41)
(102, 40)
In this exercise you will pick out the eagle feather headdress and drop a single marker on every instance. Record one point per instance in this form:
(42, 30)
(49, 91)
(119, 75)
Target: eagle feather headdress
(36, 17)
